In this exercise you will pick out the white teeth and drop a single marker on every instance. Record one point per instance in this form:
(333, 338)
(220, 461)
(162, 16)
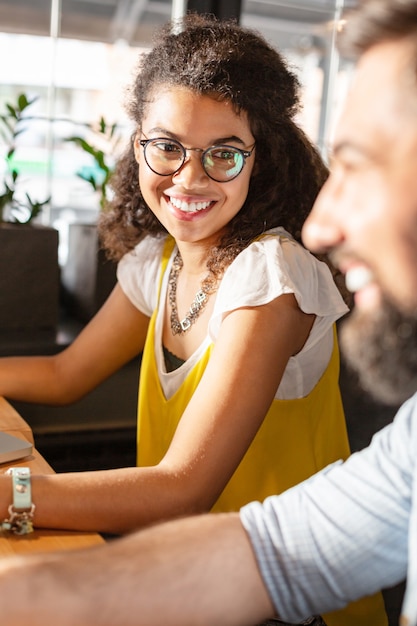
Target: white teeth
(357, 278)
(189, 207)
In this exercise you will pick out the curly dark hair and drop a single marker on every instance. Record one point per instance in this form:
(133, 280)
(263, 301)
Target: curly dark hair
(226, 62)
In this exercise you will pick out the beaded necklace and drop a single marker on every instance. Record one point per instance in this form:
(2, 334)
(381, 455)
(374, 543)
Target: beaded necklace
(208, 286)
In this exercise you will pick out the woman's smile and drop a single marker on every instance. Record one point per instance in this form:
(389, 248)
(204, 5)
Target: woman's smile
(188, 205)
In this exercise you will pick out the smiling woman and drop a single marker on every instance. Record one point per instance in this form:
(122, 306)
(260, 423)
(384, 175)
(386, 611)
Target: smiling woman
(184, 185)
(239, 395)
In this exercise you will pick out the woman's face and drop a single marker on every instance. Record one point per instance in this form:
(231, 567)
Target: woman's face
(193, 207)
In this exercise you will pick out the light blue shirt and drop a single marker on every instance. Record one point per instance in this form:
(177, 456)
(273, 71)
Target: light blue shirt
(346, 532)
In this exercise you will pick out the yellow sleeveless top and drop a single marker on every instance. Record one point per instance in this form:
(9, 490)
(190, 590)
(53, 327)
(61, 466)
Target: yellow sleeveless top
(297, 438)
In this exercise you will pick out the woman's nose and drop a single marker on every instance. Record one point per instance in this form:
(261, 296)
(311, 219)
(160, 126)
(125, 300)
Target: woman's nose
(191, 172)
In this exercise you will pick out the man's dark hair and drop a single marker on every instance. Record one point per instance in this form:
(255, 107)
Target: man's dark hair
(376, 21)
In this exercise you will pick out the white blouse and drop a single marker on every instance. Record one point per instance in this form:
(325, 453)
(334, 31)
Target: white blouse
(267, 268)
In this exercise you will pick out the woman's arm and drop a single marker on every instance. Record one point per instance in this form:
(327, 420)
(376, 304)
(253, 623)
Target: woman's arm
(214, 433)
(113, 337)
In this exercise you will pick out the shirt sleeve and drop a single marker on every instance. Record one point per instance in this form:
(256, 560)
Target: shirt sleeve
(138, 273)
(275, 265)
(343, 533)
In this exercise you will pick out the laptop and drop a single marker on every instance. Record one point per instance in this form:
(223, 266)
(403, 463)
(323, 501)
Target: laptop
(12, 448)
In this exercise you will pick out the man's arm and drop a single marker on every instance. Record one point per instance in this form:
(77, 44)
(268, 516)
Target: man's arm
(344, 532)
(194, 571)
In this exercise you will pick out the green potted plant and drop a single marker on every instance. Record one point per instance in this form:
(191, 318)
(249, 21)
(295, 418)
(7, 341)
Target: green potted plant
(88, 276)
(98, 176)
(29, 270)
(12, 208)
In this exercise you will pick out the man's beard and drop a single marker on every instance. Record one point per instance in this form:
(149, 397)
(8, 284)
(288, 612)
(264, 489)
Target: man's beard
(382, 347)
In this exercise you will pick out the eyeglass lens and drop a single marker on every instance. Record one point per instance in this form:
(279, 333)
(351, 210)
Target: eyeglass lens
(221, 163)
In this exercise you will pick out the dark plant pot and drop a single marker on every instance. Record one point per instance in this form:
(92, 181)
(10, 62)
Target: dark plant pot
(88, 276)
(29, 279)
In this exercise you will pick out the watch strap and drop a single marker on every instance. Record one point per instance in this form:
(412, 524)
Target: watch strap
(22, 493)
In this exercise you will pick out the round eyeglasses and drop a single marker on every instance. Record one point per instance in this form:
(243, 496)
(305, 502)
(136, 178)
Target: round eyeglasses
(221, 163)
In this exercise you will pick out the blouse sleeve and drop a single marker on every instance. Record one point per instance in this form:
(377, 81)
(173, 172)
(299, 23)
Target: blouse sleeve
(138, 273)
(272, 266)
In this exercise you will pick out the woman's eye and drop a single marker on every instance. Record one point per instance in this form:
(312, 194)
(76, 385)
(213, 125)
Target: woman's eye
(224, 155)
(168, 147)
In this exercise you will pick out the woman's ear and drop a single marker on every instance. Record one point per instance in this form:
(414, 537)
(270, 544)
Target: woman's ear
(137, 146)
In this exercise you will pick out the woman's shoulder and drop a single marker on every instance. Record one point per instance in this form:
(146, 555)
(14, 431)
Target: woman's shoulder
(147, 249)
(276, 264)
(275, 254)
(138, 271)
(287, 260)
(278, 243)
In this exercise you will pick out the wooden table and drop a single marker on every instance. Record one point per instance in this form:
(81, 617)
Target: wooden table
(40, 540)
